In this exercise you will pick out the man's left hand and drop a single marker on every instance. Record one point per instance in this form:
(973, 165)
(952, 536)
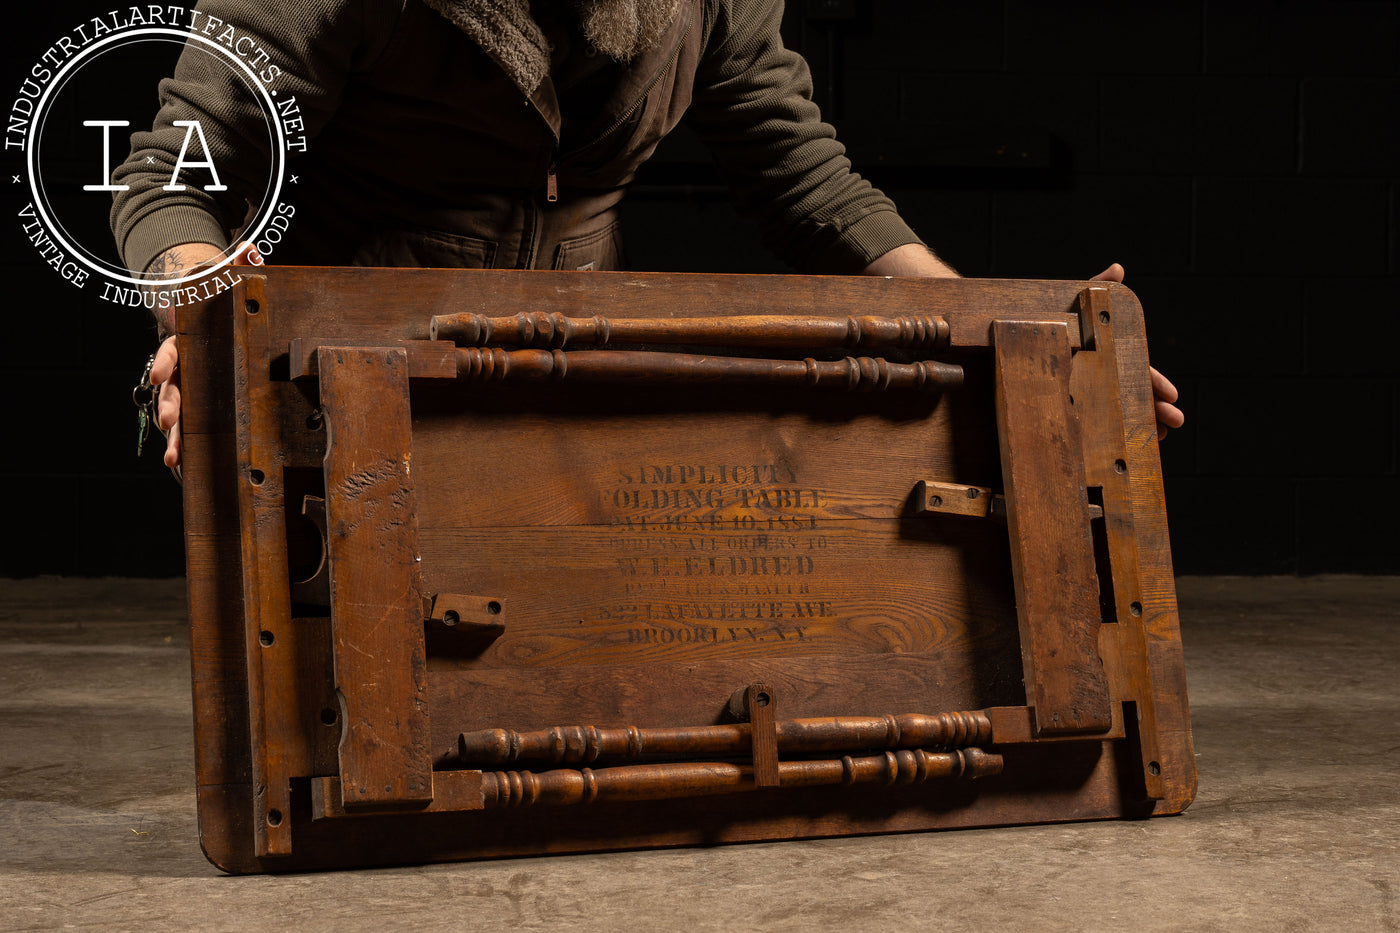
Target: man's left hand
(917, 260)
(1164, 394)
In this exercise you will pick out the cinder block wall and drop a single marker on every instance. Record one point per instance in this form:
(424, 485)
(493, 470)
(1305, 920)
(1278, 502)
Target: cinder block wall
(1240, 157)
(78, 501)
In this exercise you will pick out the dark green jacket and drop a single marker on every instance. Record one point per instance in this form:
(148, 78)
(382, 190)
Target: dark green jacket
(422, 150)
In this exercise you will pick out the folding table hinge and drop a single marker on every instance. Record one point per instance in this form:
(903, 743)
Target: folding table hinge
(455, 612)
(756, 705)
(972, 501)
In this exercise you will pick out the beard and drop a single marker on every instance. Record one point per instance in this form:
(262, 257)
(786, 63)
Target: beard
(624, 29)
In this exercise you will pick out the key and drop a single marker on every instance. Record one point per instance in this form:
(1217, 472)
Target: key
(143, 428)
(144, 396)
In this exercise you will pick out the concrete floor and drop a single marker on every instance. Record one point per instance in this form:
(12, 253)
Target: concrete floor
(1296, 827)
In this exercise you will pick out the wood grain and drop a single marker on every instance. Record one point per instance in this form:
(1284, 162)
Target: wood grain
(1052, 553)
(557, 331)
(643, 368)
(791, 737)
(376, 601)
(276, 749)
(580, 509)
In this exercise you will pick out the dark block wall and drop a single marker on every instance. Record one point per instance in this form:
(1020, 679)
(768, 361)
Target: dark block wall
(1240, 157)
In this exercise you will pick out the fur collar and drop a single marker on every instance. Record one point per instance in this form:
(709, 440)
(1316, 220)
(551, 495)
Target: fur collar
(506, 30)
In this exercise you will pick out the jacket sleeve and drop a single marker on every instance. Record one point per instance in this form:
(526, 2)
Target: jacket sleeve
(753, 108)
(302, 50)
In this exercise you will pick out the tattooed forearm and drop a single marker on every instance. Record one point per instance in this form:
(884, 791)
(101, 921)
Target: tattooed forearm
(173, 264)
(167, 265)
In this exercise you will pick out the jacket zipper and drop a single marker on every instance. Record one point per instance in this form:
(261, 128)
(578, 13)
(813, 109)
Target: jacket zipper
(661, 72)
(551, 181)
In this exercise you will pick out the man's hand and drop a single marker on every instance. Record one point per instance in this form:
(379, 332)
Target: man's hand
(165, 375)
(914, 259)
(1164, 394)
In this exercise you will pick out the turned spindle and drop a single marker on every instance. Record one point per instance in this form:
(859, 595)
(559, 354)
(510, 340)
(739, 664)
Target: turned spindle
(503, 789)
(852, 374)
(584, 744)
(553, 331)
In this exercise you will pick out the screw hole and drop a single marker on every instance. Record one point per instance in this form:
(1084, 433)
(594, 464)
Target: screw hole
(1120, 466)
(256, 477)
(935, 501)
(761, 699)
(329, 717)
(252, 306)
(1153, 768)
(266, 638)
(1135, 608)
(1103, 317)
(493, 607)
(450, 617)
(973, 493)
(274, 817)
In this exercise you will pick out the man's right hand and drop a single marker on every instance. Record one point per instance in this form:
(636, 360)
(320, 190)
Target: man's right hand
(165, 372)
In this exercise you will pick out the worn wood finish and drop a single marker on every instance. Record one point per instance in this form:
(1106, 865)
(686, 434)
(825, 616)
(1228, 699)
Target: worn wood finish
(427, 359)
(276, 748)
(376, 607)
(557, 331)
(972, 501)
(630, 556)
(1052, 553)
(474, 790)
(576, 744)
(759, 708)
(453, 792)
(341, 303)
(1107, 459)
(705, 779)
(959, 673)
(852, 374)
(956, 499)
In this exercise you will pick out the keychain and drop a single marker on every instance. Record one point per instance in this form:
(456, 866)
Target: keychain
(144, 397)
